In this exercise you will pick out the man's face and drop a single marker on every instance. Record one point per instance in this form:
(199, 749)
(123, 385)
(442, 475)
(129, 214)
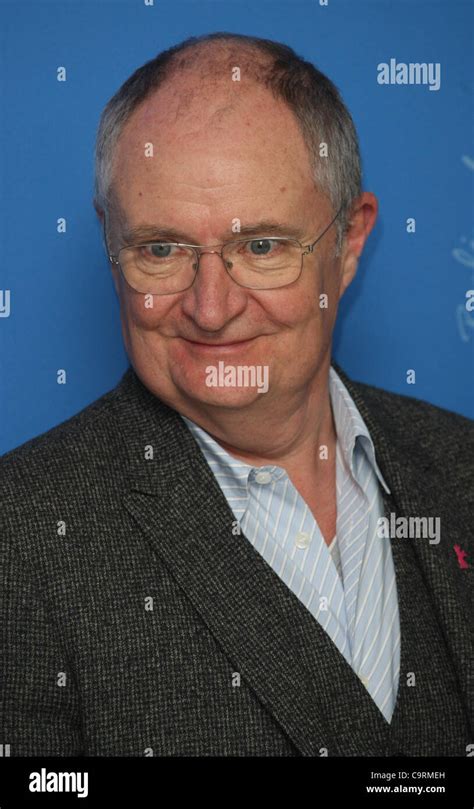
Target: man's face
(233, 153)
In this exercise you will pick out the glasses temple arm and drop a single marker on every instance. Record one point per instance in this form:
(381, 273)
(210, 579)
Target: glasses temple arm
(309, 247)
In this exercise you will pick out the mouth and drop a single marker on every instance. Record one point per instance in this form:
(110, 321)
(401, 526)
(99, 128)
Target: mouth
(218, 347)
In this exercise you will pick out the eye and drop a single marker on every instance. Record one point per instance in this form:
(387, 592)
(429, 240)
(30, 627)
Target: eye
(261, 247)
(158, 250)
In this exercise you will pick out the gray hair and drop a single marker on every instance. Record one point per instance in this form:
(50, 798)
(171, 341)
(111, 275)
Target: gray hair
(313, 98)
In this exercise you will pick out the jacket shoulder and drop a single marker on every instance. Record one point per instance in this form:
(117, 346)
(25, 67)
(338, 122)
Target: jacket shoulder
(420, 434)
(55, 454)
(402, 410)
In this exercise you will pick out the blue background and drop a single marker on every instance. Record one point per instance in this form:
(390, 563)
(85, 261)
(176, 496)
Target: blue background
(406, 307)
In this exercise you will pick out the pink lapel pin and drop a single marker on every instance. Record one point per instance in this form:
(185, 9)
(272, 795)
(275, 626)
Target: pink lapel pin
(461, 557)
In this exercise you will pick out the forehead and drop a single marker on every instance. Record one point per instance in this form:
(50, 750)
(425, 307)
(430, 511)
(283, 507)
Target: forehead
(195, 139)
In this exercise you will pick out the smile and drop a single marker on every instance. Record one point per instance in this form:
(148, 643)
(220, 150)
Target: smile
(210, 347)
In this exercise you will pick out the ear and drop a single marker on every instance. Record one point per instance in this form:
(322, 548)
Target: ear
(362, 218)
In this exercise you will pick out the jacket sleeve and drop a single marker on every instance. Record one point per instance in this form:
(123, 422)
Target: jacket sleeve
(39, 700)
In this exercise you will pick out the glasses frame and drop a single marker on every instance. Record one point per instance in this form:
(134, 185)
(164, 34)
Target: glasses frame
(200, 249)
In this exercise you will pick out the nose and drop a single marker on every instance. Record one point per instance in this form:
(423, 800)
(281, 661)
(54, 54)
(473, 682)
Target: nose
(214, 298)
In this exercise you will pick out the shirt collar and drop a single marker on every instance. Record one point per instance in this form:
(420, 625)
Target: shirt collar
(352, 435)
(352, 432)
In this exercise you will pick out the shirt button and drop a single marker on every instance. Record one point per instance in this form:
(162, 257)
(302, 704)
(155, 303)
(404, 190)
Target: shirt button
(263, 477)
(302, 539)
(364, 680)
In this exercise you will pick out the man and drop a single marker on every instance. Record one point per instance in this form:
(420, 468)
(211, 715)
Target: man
(219, 556)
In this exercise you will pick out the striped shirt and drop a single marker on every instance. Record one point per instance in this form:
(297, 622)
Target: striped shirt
(349, 587)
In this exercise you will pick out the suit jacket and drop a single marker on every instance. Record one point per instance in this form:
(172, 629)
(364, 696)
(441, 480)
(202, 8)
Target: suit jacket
(135, 622)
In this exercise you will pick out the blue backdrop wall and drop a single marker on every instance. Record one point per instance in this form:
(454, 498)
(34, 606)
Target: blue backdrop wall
(407, 307)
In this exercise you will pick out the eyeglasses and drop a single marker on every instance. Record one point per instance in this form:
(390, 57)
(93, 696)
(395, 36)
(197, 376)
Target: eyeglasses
(263, 262)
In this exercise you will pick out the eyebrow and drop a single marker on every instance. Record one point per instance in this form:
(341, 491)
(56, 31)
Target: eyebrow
(148, 233)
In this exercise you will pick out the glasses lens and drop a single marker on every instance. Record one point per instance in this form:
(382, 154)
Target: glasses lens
(159, 268)
(263, 263)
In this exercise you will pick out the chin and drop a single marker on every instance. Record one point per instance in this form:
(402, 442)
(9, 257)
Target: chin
(221, 397)
(223, 384)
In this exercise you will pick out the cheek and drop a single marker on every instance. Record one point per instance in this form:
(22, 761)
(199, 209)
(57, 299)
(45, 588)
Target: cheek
(294, 313)
(304, 331)
(145, 312)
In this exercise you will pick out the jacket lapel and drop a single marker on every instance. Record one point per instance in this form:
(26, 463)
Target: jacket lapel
(412, 481)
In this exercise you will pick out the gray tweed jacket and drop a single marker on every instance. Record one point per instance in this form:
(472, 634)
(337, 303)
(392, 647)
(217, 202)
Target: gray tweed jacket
(134, 622)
